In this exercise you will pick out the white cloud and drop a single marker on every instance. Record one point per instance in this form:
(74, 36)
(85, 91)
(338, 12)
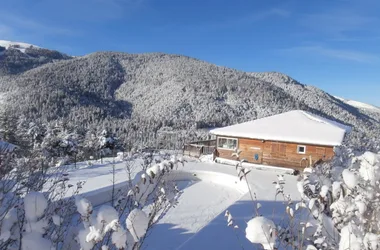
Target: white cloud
(258, 16)
(350, 55)
(338, 22)
(344, 21)
(20, 23)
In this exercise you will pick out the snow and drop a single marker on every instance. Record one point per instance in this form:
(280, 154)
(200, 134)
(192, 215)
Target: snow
(39, 226)
(16, 45)
(137, 223)
(106, 214)
(56, 220)
(153, 171)
(293, 126)
(369, 170)
(84, 207)
(371, 158)
(359, 105)
(8, 222)
(371, 241)
(206, 158)
(197, 207)
(261, 230)
(362, 207)
(350, 238)
(199, 217)
(82, 236)
(363, 105)
(34, 241)
(350, 179)
(95, 234)
(122, 239)
(209, 189)
(255, 166)
(35, 204)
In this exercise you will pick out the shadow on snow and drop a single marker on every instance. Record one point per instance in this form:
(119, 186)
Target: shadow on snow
(216, 234)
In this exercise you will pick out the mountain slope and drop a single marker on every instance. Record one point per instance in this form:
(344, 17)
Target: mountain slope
(317, 98)
(16, 57)
(141, 92)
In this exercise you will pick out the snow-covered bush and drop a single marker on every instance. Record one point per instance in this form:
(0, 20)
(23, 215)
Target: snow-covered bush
(339, 207)
(135, 209)
(30, 219)
(344, 198)
(137, 224)
(261, 230)
(33, 222)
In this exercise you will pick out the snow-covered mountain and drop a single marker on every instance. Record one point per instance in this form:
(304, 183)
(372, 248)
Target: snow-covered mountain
(16, 45)
(147, 92)
(360, 105)
(17, 57)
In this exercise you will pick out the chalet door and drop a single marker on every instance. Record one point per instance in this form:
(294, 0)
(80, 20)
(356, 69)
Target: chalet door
(257, 156)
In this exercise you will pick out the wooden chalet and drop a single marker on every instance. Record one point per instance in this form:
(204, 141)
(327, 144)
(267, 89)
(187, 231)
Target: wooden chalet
(295, 139)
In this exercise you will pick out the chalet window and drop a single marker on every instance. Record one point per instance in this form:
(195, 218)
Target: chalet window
(301, 149)
(227, 143)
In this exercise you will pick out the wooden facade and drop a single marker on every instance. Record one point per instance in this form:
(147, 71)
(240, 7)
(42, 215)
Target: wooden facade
(275, 153)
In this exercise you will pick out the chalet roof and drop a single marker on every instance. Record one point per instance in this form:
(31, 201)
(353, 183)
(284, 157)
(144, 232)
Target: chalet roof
(6, 147)
(293, 126)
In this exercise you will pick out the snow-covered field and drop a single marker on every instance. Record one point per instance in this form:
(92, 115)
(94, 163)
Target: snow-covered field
(209, 189)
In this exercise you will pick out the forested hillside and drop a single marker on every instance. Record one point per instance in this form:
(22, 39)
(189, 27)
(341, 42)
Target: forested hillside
(144, 93)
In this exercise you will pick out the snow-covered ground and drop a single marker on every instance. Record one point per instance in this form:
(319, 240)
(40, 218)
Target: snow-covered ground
(198, 221)
(199, 204)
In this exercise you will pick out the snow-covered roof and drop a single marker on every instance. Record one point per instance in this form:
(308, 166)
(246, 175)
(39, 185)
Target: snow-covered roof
(6, 147)
(293, 126)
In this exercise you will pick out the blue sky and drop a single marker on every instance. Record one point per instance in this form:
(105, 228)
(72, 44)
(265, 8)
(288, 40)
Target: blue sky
(331, 44)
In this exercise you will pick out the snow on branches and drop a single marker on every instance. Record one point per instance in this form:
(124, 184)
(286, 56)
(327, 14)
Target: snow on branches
(261, 230)
(135, 210)
(345, 201)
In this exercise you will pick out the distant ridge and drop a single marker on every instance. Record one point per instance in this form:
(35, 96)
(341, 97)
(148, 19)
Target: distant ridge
(360, 105)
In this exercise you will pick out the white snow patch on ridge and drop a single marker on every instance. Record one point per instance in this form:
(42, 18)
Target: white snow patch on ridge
(359, 105)
(16, 45)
